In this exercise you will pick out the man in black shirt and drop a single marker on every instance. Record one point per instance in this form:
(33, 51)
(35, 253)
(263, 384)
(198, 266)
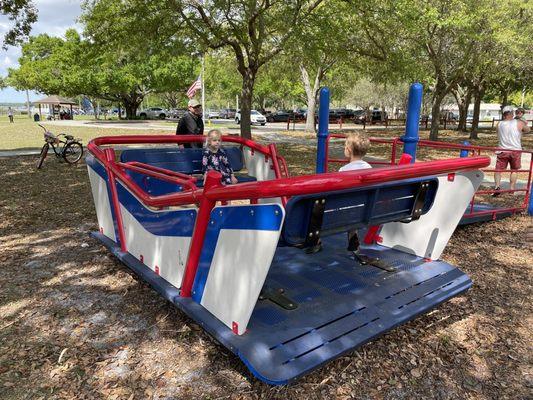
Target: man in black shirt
(191, 123)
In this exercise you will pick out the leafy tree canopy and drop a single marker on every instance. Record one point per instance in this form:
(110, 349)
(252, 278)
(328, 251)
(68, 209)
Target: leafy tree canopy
(22, 14)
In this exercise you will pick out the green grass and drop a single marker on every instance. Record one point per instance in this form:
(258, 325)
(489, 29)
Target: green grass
(26, 134)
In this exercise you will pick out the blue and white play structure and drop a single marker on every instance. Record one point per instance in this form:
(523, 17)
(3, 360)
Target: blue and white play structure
(262, 265)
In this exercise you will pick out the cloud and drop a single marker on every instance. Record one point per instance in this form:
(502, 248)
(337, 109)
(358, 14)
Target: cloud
(54, 18)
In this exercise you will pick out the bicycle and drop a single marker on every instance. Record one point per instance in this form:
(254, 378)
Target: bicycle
(70, 149)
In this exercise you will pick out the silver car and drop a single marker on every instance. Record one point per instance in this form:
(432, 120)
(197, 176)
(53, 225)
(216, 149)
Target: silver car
(153, 113)
(256, 118)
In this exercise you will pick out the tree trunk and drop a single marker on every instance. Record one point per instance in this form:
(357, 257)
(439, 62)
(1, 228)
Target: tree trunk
(463, 99)
(248, 81)
(440, 93)
(311, 94)
(478, 95)
(504, 97)
(131, 104)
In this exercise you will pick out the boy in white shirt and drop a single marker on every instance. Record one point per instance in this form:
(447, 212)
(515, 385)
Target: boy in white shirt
(355, 147)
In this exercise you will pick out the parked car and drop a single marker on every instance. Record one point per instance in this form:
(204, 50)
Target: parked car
(255, 117)
(228, 113)
(210, 114)
(377, 116)
(279, 116)
(153, 113)
(300, 113)
(341, 113)
(359, 116)
(177, 113)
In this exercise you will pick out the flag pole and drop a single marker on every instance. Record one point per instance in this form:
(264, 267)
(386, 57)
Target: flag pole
(203, 86)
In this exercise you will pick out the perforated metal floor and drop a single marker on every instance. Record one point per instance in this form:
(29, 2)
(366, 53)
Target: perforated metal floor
(341, 305)
(495, 213)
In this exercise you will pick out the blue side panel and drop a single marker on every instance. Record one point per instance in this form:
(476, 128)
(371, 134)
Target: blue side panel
(161, 223)
(263, 217)
(187, 161)
(154, 186)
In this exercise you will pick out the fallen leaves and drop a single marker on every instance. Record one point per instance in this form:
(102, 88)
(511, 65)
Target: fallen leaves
(75, 324)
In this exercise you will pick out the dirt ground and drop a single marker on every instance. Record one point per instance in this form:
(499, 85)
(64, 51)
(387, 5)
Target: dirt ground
(75, 324)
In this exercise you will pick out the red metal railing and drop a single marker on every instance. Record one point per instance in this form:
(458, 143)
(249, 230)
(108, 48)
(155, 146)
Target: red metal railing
(213, 191)
(473, 151)
(393, 153)
(486, 150)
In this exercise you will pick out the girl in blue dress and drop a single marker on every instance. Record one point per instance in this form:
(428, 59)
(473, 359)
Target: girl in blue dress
(215, 158)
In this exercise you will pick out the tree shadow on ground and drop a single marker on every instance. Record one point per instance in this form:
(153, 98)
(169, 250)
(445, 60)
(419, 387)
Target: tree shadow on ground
(62, 294)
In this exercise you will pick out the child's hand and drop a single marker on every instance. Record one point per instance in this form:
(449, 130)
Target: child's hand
(233, 179)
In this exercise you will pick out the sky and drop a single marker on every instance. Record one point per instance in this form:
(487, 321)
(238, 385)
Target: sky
(54, 18)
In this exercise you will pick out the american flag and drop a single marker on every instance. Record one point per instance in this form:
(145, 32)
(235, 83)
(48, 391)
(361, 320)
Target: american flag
(197, 85)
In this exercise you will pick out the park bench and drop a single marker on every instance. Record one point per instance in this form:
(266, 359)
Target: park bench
(186, 161)
(309, 217)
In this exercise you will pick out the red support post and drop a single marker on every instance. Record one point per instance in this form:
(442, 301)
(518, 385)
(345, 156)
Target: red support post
(110, 157)
(372, 232)
(277, 170)
(212, 180)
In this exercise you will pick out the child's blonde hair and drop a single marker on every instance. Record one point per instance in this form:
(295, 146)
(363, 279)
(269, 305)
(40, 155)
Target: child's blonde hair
(212, 133)
(357, 143)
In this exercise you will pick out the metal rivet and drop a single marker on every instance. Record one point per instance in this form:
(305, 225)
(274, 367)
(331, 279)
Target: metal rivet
(316, 233)
(311, 234)
(316, 201)
(220, 212)
(252, 212)
(323, 201)
(276, 212)
(212, 222)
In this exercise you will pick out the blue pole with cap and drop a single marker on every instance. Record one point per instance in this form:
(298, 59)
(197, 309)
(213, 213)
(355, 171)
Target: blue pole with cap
(464, 152)
(322, 134)
(410, 139)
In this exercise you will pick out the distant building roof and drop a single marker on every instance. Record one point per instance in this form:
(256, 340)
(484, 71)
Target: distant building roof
(56, 100)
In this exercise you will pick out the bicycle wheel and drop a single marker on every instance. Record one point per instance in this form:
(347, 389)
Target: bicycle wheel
(42, 156)
(73, 152)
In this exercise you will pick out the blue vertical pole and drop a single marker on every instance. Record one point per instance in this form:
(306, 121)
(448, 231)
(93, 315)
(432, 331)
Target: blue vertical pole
(322, 134)
(410, 139)
(464, 152)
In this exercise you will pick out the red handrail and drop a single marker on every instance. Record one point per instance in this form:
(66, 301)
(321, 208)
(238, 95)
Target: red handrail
(286, 186)
(478, 149)
(393, 141)
(164, 176)
(162, 170)
(281, 187)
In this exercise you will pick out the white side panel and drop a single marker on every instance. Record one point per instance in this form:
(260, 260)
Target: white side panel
(168, 253)
(237, 274)
(257, 166)
(262, 170)
(102, 204)
(428, 236)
